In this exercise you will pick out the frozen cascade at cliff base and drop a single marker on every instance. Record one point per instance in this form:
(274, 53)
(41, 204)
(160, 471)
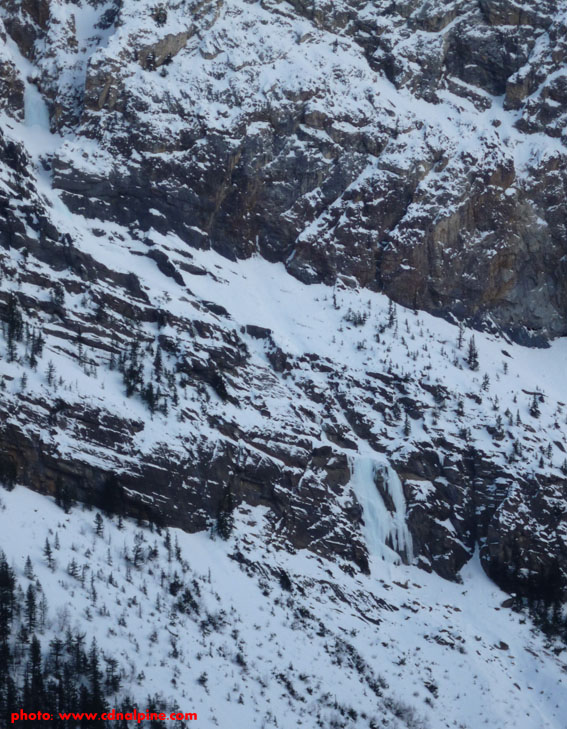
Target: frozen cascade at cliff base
(385, 531)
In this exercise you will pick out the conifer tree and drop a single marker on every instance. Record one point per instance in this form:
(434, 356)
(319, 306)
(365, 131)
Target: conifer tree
(7, 584)
(549, 451)
(15, 326)
(50, 374)
(158, 364)
(535, 412)
(167, 544)
(36, 693)
(225, 516)
(30, 609)
(28, 569)
(149, 396)
(48, 554)
(42, 609)
(472, 354)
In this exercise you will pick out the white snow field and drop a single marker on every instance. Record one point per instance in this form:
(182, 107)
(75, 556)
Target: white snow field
(399, 648)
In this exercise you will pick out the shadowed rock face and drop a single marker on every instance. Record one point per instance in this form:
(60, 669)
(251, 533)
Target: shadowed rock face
(412, 148)
(419, 152)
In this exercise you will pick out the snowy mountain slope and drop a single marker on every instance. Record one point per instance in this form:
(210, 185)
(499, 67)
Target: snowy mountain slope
(276, 402)
(172, 177)
(271, 394)
(398, 648)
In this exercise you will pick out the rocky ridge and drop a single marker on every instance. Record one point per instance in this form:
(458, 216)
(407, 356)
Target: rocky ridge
(416, 146)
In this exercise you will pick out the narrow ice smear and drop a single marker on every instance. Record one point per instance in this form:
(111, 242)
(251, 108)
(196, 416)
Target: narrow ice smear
(35, 108)
(385, 531)
(35, 133)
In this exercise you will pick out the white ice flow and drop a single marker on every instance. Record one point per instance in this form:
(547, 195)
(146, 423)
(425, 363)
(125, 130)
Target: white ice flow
(385, 531)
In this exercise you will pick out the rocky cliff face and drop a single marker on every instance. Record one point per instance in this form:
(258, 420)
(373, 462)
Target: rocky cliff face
(413, 149)
(416, 146)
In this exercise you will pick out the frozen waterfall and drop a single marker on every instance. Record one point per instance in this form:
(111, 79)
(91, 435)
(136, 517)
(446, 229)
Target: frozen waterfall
(386, 533)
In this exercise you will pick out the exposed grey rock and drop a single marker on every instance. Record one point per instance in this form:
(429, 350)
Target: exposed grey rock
(226, 148)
